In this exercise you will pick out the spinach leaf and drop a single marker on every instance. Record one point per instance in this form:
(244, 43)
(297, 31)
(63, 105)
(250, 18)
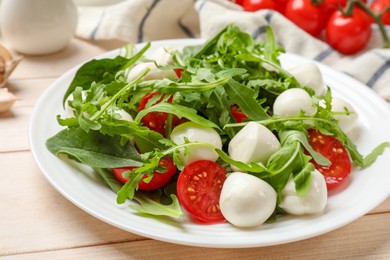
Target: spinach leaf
(93, 149)
(100, 71)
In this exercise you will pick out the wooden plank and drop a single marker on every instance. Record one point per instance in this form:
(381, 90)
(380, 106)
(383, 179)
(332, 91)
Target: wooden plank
(37, 218)
(367, 238)
(14, 123)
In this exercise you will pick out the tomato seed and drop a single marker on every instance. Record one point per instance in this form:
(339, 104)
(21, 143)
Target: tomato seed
(190, 189)
(195, 178)
(205, 174)
(192, 197)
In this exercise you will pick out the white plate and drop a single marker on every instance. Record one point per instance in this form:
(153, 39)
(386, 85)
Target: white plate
(365, 190)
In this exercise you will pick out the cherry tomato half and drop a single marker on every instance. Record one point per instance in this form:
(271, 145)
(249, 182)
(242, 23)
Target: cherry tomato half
(156, 121)
(158, 181)
(306, 16)
(199, 188)
(348, 34)
(379, 6)
(237, 113)
(178, 72)
(331, 148)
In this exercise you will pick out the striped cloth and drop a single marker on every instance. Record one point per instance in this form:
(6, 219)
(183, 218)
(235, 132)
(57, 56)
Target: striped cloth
(145, 20)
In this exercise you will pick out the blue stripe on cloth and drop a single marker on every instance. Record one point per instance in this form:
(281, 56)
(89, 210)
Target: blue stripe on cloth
(268, 16)
(378, 73)
(200, 6)
(323, 55)
(94, 31)
(140, 37)
(258, 31)
(186, 30)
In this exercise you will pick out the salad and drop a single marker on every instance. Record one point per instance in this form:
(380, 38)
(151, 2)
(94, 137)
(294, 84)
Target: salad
(219, 132)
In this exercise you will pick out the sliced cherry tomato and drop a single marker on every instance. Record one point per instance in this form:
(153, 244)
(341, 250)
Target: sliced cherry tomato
(379, 6)
(255, 5)
(307, 16)
(237, 113)
(178, 72)
(199, 188)
(331, 148)
(348, 34)
(158, 181)
(156, 121)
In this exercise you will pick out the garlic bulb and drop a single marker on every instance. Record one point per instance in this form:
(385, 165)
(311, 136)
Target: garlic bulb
(7, 99)
(7, 65)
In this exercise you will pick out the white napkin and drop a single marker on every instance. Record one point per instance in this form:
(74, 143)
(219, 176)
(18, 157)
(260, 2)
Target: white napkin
(146, 20)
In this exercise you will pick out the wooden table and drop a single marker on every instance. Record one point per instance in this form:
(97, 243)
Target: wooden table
(36, 222)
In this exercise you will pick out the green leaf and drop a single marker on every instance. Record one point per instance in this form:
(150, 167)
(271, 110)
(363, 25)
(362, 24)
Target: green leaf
(244, 98)
(302, 180)
(252, 167)
(108, 177)
(93, 148)
(371, 157)
(179, 111)
(102, 71)
(293, 135)
(270, 47)
(149, 204)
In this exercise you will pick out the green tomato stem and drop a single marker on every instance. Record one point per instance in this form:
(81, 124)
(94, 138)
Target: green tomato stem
(376, 16)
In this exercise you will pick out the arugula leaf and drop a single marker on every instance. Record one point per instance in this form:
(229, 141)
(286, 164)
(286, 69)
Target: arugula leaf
(244, 98)
(293, 135)
(149, 204)
(178, 110)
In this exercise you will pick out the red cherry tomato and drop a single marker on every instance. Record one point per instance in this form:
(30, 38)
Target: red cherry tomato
(307, 16)
(239, 2)
(329, 6)
(156, 121)
(255, 5)
(379, 6)
(331, 148)
(158, 181)
(178, 72)
(199, 188)
(348, 34)
(237, 113)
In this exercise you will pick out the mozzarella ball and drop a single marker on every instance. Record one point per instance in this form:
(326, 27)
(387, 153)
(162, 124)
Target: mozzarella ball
(154, 72)
(123, 115)
(312, 203)
(196, 133)
(292, 101)
(253, 143)
(246, 201)
(309, 75)
(162, 55)
(347, 122)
